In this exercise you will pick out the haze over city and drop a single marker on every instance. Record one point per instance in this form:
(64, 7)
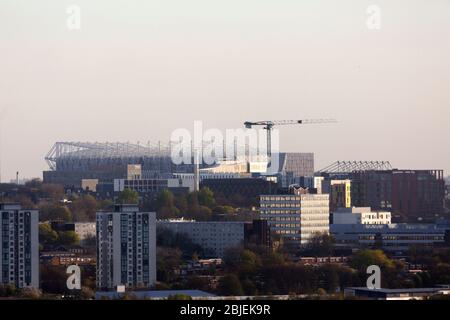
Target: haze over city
(138, 70)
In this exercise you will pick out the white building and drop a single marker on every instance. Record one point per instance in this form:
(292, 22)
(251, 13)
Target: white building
(126, 248)
(296, 217)
(85, 230)
(19, 249)
(215, 237)
(360, 215)
(152, 185)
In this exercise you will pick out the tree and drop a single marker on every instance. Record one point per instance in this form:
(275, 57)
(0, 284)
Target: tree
(440, 273)
(273, 259)
(87, 293)
(192, 200)
(54, 192)
(165, 206)
(34, 183)
(128, 196)
(364, 258)
(206, 197)
(200, 213)
(68, 238)
(47, 236)
(60, 213)
(320, 244)
(7, 290)
(30, 293)
(167, 260)
(54, 212)
(84, 208)
(230, 286)
(181, 203)
(249, 287)
(198, 283)
(53, 279)
(241, 260)
(166, 238)
(250, 262)
(165, 199)
(223, 210)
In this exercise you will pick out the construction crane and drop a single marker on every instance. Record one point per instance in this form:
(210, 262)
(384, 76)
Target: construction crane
(268, 125)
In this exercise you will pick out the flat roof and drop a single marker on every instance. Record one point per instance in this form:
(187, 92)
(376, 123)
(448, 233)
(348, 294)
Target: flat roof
(397, 291)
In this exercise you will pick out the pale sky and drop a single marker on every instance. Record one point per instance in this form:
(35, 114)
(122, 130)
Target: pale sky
(137, 70)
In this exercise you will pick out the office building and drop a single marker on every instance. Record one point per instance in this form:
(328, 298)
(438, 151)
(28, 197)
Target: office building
(296, 217)
(126, 248)
(258, 232)
(340, 194)
(214, 237)
(84, 230)
(414, 193)
(360, 215)
(389, 237)
(406, 193)
(19, 250)
(153, 186)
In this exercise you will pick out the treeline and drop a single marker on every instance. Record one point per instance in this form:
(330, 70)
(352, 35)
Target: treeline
(201, 205)
(258, 272)
(52, 202)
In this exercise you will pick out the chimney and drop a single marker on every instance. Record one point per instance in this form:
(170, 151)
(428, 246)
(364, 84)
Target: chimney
(196, 172)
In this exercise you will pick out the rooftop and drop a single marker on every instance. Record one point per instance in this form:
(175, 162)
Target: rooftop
(155, 294)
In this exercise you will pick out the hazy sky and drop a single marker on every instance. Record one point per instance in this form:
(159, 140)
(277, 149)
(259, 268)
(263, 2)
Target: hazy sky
(137, 70)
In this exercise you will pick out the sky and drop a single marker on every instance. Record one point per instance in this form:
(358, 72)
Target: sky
(136, 70)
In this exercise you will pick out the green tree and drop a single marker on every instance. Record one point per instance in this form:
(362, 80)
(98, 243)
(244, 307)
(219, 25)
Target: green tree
(230, 285)
(206, 197)
(7, 290)
(250, 262)
(60, 213)
(167, 261)
(68, 238)
(241, 260)
(364, 258)
(165, 206)
(128, 196)
(47, 236)
(273, 259)
(54, 211)
(84, 208)
(201, 213)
